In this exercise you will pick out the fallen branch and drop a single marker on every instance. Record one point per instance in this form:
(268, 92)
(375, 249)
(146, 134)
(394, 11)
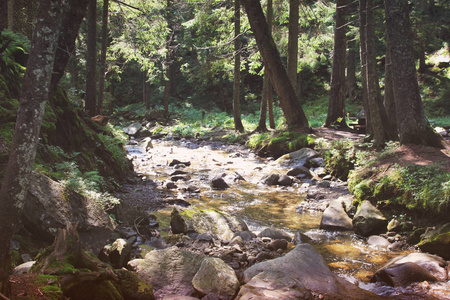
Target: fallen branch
(4, 297)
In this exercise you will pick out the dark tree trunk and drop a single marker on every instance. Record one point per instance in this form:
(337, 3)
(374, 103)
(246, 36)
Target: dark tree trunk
(363, 56)
(33, 96)
(91, 59)
(292, 60)
(389, 101)
(267, 86)
(101, 81)
(413, 126)
(146, 91)
(73, 15)
(166, 92)
(422, 64)
(289, 103)
(336, 106)
(351, 85)
(379, 121)
(237, 68)
(3, 15)
(10, 21)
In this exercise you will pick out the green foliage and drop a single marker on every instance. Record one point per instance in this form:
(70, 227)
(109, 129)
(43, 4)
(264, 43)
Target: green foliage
(115, 144)
(412, 186)
(340, 158)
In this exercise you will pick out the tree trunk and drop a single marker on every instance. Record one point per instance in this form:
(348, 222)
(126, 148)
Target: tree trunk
(289, 103)
(146, 92)
(237, 68)
(422, 64)
(166, 92)
(101, 81)
(292, 59)
(33, 95)
(3, 15)
(379, 121)
(351, 85)
(363, 55)
(267, 87)
(73, 15)
(91, 59)
(389, 101)
(336, 106)
(413, 126)
(10, 22)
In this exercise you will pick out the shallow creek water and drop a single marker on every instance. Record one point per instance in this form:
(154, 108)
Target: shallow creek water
(262, 206)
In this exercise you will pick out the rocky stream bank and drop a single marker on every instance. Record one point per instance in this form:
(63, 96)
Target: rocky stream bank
(217, 222)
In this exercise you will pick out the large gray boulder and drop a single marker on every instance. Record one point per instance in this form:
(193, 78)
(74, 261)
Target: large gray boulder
(305, 264)
(215, 276)
(335, 218)
(132, 129)
(50, 206)
(368, 220)
(273, 285)
(209, 221)
(430, 265)
(402, 274)
(275, 234)
(169, 271)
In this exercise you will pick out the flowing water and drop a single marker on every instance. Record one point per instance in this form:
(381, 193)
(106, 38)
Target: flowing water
(263, 206)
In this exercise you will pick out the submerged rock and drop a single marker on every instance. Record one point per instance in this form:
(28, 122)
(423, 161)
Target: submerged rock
(369, 220)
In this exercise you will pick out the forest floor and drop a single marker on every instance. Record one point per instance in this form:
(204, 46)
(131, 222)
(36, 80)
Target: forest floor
(25, 286)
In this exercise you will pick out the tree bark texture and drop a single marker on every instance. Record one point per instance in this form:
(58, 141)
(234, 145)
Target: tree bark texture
(32, 99)
(292, 59)
(351, 84)
(336, 106)
(289, 103)
(237, 68)
(10, 5)
(389, 101)
(101, 81)
(3, 15)
(73, 15)
(266, 99)
(379, 121)
(91, 59)
(413, 126)
(363, 56)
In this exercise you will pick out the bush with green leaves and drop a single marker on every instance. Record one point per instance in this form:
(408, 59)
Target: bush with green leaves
(340, 156)
(411, 186)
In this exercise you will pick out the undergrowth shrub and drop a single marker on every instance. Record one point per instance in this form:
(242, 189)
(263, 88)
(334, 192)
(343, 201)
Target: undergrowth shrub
(412, 186)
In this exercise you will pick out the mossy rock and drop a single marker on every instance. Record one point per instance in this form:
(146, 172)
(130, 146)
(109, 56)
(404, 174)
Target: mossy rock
(132, 286)
(285, 142)
(98, 290)
(437, 242)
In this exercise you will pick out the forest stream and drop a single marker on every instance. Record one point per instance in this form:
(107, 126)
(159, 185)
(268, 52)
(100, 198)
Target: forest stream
(291, 208)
